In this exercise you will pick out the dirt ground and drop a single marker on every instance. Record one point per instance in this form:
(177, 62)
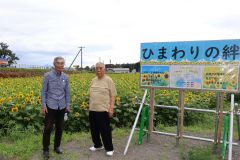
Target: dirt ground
(159, 147)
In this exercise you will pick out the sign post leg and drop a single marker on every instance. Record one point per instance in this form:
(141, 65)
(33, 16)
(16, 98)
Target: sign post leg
(220, 122)
(216, 123)
(151, 115)
(180, 116)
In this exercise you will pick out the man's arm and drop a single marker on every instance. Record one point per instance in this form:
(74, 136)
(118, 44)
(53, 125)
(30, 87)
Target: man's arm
(44, 94)
(67, 90)
(111, 108)
(113, 93)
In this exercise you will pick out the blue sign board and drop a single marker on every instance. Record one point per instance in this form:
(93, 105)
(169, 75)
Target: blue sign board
(191, 51)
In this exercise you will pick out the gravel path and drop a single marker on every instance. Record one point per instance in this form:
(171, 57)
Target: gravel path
(159, 148)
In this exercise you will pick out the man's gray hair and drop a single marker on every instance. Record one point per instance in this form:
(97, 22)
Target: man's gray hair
(100, 64)
(57, 58)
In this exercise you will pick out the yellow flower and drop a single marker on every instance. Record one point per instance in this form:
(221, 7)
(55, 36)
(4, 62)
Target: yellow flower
(32, 100)
(84, 105)
(77, 114)
(118, 100)
(2, 100)
(9, 99)
(39, 100)
(20, 95)
(74, 98)
(27, 100)
(14, 109)
(186, 100)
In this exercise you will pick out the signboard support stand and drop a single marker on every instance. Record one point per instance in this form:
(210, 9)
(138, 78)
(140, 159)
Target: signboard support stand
(151, 114)
(180, 116)
(216, 123)
(220, 122)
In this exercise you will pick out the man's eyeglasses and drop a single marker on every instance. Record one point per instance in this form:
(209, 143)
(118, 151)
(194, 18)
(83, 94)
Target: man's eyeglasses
(59, 63)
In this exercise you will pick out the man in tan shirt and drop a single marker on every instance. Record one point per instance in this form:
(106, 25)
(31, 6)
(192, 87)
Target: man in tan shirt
(101, 106)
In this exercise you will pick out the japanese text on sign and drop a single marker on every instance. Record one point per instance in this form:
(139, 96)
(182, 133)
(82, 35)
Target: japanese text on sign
(191, 51)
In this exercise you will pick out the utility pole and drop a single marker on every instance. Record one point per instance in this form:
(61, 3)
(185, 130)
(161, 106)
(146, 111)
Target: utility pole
(80, 50)
(81, 57)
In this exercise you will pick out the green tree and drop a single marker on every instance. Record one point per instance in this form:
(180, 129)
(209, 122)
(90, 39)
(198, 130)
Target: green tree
(87, 68)
(6, 53)
(137, 66)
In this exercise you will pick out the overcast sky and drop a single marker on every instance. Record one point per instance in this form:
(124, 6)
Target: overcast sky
(39, 30)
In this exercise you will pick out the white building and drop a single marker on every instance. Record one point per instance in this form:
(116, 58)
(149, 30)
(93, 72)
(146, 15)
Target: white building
(118, 70)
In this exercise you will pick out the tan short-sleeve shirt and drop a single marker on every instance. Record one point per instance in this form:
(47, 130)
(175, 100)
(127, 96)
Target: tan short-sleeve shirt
(100, 92)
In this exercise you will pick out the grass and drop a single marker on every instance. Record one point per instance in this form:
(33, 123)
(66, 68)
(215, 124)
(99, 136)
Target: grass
(198, 153)
(19, 145)
(22, 145)
(202, 154)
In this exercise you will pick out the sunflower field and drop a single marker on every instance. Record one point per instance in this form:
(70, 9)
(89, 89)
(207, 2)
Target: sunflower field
(20, 103)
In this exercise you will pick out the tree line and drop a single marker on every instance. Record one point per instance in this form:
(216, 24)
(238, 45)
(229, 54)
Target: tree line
(7, 55)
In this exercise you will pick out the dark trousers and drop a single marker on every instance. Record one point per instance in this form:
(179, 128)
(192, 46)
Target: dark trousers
(57, 117)
(100, 125)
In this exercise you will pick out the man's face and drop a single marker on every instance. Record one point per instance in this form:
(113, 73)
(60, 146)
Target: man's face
(100, 71)
(59, 65)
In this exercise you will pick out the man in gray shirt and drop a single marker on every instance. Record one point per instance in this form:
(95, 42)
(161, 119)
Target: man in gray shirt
(55, 97)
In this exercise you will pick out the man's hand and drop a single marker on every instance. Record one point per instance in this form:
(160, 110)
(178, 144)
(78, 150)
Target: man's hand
(67, 109)
(111, 107)
(110, 112)
(44, 110)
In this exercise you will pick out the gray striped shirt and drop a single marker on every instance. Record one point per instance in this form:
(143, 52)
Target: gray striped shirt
(55, 92)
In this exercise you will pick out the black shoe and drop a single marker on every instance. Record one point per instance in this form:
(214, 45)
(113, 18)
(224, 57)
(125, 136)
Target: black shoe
(45, 155)
(58, 150)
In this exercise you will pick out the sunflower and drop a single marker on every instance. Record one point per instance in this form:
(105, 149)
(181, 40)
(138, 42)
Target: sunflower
(2, 100)
(27, 99)
(14, 109)
(20, 95)
(84, 105)
(118, 100)
(9, 99)
(166, 75)
(77, 115)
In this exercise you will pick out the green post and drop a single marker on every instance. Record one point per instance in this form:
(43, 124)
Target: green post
(143, 123)
(225, 135)
(147, 118)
